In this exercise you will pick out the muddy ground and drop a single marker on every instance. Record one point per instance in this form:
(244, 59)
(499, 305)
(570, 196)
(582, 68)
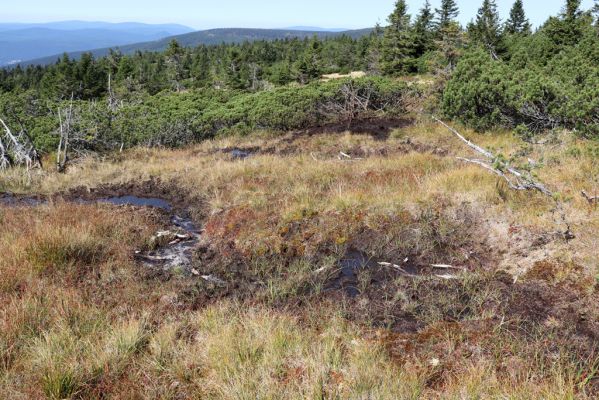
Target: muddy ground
(411, 296)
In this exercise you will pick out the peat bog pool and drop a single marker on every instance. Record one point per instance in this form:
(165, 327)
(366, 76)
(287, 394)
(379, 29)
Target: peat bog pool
(170, 249)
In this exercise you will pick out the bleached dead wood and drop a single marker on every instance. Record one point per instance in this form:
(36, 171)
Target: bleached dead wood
(62, 156)
(591, 199)
(517, 181)
(17, 149)
(4, 158)
(446, 266)
(479, 149)
(352, 103)
(447, 277)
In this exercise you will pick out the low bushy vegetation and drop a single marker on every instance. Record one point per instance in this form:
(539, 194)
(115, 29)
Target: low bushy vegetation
(487, 75)
(344, 249)
(544, 84)
(175, 119)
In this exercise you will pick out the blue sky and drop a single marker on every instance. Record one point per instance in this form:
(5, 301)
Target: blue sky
(203, 14)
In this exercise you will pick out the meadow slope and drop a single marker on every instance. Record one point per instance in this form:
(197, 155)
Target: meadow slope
(313, 277)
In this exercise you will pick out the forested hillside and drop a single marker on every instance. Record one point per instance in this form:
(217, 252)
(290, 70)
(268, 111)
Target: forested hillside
(26, 41)
(209, 37)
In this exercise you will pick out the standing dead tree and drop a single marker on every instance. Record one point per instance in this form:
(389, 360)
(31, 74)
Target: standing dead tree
(114, 105)
(18, 149)
(81, 136)
(62, 155)
(4, 157)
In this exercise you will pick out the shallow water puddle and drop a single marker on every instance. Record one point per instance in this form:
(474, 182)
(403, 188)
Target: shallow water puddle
(173, 248)
(355, 262)
(10, 200)
(138, 201)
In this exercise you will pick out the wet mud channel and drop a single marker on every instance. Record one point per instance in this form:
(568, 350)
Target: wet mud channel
(169, 250)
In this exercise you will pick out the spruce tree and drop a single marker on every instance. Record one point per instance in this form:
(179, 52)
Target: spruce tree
(398, 42)
(237, 72)
(567, 30)
(201, 68)
(309, 65)
(571, 10)
(595, 12)
(446, 14)
(486, 29)
(423, 30)
(373, 57)
(517, 23)
(174, 64)
(449, 45)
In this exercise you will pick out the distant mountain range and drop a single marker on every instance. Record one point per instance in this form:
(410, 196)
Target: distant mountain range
(314, 29)
(207, 37)
(20, 42)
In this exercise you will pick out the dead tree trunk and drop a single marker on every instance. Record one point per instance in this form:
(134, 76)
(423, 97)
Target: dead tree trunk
(515, 179)
(62, 156)
(35, 155)
(19, 148)
(4, 157)
(113, 107)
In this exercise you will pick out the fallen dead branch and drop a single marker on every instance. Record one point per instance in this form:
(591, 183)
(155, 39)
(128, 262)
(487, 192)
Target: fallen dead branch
(447, 277)
(515, 179)
(446, 266)
(591, 199)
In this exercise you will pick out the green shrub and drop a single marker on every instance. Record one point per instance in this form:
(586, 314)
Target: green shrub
(544, 85)
(174, 119)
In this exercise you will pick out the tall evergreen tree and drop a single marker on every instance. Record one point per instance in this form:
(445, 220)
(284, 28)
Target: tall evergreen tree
(517, 23)
(373, 57)
(571, 10)
(450, 46)
(446, 14)
(201, 68)
(174, 63)
(486, 29)
(309, 65)
(567, 29)
(595, 12)
(398, 42)
(423, 30)
(237, 72)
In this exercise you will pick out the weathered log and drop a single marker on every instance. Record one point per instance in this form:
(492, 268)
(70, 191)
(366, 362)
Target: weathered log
(517, 181)
(591, 199)
(493, 164)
